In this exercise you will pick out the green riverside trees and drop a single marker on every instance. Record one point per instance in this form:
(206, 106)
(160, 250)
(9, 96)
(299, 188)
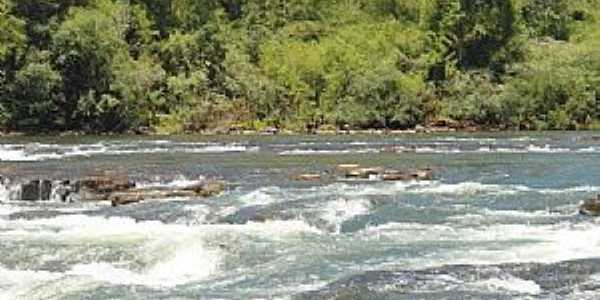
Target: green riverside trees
(183, 65)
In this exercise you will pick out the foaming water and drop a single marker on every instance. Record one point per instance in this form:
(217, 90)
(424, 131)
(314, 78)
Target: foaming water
(178, 182)
(441, 188)
(18, 284)
(41, 152)
(509, 284)
(328, 152)
(496, 199)
(262, 196)
(188, 261)
(340, 210)
(522, 243)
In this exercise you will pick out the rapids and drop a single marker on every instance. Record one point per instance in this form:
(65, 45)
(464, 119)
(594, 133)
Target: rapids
(499, 220)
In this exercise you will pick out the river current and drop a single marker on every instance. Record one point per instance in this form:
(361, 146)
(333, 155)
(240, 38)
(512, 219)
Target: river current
(498, 221)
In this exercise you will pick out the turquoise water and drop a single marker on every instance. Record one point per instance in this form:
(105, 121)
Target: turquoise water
(499, 220)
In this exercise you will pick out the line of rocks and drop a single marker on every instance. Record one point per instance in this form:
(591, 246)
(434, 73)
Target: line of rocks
(117, 190)
(358, 172)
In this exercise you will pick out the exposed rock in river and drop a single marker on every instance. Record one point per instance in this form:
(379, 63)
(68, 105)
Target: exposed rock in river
(119, 190)
(36, 190)
(590, 207)
(355, 171)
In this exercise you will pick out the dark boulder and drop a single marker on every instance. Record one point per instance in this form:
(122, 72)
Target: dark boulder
(36, 190)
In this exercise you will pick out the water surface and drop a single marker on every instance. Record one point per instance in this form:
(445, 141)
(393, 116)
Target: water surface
(498, 221)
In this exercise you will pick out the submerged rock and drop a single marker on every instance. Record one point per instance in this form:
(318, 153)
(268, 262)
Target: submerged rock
(537, 281)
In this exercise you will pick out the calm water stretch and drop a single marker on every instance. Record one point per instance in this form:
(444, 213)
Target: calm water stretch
(498, 221)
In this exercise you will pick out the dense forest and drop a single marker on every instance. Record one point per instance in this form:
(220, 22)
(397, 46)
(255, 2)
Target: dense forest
(193, 65)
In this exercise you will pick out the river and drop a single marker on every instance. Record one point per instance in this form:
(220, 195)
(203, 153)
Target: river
(498, 221)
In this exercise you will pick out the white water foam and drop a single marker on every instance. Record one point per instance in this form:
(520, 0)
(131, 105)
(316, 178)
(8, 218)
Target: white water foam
(469, 188)
(341, 210)
(179, 182)
(302, 152)
(509, 284)
(262, 196)
(186, 261)
(500, 243)
(41, 152)
(14, 284)
(171, 247)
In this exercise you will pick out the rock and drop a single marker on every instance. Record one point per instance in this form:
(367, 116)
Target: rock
(396, 177)
(134, 196)
(63, 191)
(270, 131)
(205, 190)
(99, 188)
(118, 190)
(309, 177)
(346, 167)
(30, 191)
(36, 190)
(422, 174)
(590, 207)
(210, 189)
(365, 173)
(104, 184)
(45, 190)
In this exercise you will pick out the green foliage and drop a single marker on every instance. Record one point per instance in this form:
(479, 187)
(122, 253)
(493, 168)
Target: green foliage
(549, 18)
(36, 99)
(472, 33)
(12, 35)
(184, 65)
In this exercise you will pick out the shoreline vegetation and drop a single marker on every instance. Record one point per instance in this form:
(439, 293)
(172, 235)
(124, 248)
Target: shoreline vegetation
(298, 66)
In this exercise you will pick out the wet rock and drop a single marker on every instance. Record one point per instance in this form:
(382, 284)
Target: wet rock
(99, 188)
(36, 190)
(348, 167)
(395, 177)
(134, 196)
(104, 184)
(204, 190)
(365, 173)
(590, 207)
(309, 177)
(423, 174)
(207, 189)
(117, 190)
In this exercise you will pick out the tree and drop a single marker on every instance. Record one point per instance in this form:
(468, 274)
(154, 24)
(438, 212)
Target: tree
(473, 32)
(547, 18)
(35, 97)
